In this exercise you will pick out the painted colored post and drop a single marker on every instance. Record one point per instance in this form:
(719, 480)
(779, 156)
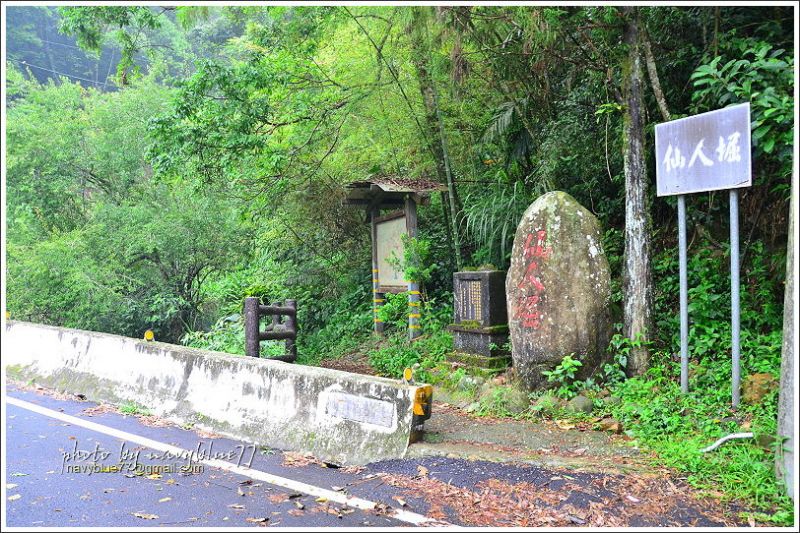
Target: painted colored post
(734, 201)
(414, 314)
(684, 296)
(414, 308)
(251, 327)
(378, 297)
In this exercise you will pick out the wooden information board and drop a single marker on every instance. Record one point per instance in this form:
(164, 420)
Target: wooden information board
(389, 236)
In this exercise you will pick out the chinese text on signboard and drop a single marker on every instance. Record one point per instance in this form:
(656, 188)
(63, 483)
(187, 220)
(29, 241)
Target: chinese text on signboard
(706, 152)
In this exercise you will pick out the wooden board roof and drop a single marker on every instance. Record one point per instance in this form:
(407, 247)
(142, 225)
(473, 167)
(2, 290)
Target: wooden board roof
(397, 184)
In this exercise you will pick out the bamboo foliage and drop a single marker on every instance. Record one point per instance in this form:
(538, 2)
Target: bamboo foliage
(491, 216)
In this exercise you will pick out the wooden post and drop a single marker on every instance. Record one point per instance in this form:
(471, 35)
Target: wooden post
(251, 327)
(378, 297)
(414, 308)
(290, 322)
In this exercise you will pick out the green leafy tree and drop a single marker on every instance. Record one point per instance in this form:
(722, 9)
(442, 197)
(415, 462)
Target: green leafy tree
(91, 25)
(170, 242)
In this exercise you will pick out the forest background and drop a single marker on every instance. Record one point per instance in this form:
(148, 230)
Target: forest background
(164, 163)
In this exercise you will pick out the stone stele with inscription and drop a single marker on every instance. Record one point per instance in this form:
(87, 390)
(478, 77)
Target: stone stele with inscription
(558, 289)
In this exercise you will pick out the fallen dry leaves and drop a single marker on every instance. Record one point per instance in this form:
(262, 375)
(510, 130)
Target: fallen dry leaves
(605, 501)
(42, 391)
(279, 497)
(294, 459)
(353, 469)
(206, 434)
(326, 507)
(154, 421)
(103, 408)
(147, 420)
(99, 409)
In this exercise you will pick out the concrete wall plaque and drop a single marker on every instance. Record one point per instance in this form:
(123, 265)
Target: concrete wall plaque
(360, 409)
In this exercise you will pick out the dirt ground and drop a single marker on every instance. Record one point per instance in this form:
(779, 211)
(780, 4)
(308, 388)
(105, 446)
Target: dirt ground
(571, 475)
(357, 364)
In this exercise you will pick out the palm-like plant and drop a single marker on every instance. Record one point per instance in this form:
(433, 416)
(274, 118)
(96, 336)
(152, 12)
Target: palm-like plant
(491, 214)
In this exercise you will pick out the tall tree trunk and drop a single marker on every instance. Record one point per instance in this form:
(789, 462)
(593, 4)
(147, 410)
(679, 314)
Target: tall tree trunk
(452, 193)
(652, 73)
(421, 56)
(637, 279)
(715, 42)
(445, 199)
(784, 459)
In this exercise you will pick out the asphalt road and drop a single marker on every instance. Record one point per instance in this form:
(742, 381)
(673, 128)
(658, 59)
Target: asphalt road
(53, 445)
(50, 467)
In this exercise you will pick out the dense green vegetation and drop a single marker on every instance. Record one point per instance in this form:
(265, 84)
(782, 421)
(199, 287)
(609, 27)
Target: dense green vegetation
(213, 167)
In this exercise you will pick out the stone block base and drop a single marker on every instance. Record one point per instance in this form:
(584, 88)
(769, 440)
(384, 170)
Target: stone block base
(482, 362)
(486, 341)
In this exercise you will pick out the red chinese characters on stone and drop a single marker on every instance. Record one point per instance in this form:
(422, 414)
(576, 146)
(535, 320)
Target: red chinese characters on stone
(531, 287)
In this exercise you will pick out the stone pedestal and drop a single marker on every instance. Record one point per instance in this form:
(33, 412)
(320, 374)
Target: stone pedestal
(480, 328)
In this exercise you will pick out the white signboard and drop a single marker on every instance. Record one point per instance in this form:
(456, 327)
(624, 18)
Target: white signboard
(389, 248)
(705, 152)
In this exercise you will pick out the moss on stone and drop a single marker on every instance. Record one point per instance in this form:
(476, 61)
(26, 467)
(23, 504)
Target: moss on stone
(475, 325)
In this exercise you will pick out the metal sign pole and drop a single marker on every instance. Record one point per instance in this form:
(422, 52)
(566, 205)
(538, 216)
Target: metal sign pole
(684, 293)
(734, 201)
(688, 162)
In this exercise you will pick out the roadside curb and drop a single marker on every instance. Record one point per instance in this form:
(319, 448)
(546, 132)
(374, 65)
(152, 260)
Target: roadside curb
(339, 417)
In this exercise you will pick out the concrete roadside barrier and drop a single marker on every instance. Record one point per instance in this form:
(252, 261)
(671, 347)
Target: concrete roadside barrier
(337, 416)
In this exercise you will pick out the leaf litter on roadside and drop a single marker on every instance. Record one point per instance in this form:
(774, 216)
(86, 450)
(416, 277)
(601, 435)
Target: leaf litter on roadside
(326, 507)
(279, 497)
(610, 501)
(294, 459)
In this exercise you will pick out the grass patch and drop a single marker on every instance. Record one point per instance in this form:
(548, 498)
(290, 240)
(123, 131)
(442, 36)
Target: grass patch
(133, 408)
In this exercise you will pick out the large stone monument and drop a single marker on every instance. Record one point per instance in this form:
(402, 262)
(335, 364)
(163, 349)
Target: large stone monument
(558, 289)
